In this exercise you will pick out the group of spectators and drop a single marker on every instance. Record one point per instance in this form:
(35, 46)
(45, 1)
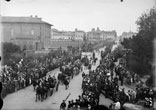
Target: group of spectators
(22, 74)
(91, 89)
(84, 101)
(140, 92)
(107, 79)
(45, 86)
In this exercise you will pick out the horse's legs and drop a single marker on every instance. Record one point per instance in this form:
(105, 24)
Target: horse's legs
(36, 97)
(34, 87)
(46, 94)
(41, 96)
(56, 88)
(66, 87)
(51, 92)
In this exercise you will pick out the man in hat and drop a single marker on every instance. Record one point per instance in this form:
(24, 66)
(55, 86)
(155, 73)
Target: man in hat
(63, 105)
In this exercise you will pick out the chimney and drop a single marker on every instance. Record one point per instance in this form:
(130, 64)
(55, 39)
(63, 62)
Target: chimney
(93, 29)
(36, 16)
(98, 29)
(75, 29)
(31, 16)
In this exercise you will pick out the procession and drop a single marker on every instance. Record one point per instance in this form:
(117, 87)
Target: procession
(78, 55)
(102, 73)
(25, 73)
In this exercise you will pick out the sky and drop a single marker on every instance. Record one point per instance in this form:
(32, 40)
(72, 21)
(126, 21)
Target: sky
(82, 14)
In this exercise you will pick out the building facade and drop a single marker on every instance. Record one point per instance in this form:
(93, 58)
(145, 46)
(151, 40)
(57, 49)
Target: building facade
(31, 33)
(98, 35)
(79, 35)
(94, 35)
(76, 35)
(61, 35)
(64, 39)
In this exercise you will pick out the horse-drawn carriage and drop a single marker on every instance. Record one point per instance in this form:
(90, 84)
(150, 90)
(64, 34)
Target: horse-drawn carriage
(44, 88)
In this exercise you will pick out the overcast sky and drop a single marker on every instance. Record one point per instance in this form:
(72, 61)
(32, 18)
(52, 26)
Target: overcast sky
(81, 14)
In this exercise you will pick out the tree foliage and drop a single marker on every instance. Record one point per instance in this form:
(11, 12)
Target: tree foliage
(142, 43)
(11, 52)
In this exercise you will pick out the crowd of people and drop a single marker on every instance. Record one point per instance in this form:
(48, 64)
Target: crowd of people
(108, 78)
(20, 75)
(46, 86)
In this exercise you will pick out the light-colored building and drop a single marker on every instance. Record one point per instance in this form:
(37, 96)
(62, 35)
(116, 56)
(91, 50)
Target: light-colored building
(64, 39)
(76, 35)
(79, 35)
(61, 35)
(31, 33)
(94, 35)
(98, 35)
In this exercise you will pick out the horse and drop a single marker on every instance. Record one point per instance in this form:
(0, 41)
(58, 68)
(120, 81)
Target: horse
(66, 83)
(61, 77)
(34, 83)
(38, 93)
(51, 87)
(45, 90)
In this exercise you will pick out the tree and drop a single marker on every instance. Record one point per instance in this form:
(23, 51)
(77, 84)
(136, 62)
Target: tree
(146, 22)
(11, 52)
(142, 43)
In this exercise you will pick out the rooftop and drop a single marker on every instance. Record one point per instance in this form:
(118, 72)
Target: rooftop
(11, 19)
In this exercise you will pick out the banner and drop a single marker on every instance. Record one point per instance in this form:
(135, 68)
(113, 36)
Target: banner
(88, 54)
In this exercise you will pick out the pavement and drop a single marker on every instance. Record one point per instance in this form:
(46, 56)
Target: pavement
(25, 98)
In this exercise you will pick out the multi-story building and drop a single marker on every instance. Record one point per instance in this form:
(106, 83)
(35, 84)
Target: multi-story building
(64, 39)
(108, 35)
(76, 35)
(94, 35)
(61, 35)
(97, 35)
(30, 33)
(79, 35)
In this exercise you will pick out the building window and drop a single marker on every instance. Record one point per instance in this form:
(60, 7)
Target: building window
(12, 32)
(32, 32)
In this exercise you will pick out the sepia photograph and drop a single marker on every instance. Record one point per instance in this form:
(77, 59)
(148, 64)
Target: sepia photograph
(78, 54)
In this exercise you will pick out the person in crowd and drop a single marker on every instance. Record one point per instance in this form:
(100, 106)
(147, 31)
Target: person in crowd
(63, 105)
(26, 72)
(69, 105)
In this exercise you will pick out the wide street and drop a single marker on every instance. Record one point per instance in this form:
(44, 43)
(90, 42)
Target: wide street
(25, 98)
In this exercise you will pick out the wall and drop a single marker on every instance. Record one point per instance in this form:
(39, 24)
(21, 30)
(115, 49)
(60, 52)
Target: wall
(27, 34)
(64, 44)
